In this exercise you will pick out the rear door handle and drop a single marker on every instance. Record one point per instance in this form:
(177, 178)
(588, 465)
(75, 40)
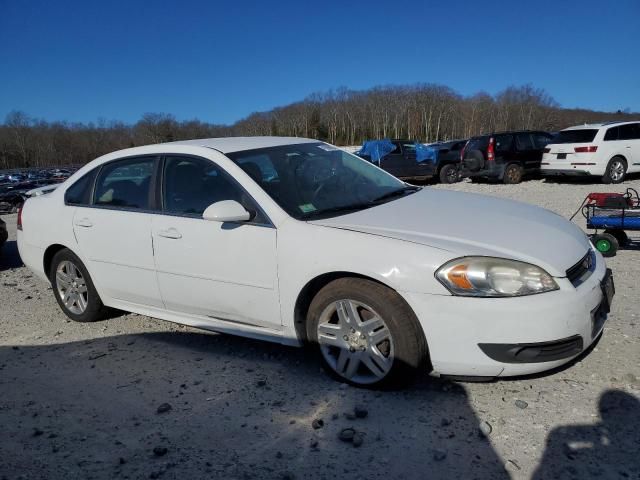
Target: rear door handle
(83, 222)
(170, 233)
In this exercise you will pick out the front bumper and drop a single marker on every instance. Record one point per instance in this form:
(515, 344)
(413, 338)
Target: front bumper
(530, 334)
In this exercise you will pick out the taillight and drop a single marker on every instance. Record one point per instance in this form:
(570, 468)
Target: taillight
(463, 149)
(589, 149)
(490, 151)
(546, 150)
(19, 222)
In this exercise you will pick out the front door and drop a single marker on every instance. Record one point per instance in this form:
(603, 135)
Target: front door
(224, 271)
(114, 232)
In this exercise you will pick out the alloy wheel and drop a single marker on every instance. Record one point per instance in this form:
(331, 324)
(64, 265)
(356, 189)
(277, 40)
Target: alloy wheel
(72, 287)
(616, 172)
(355, 341)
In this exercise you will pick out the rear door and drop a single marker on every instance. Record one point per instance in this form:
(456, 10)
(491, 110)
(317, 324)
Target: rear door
(114, 231)
(630, 145)
(526, 152)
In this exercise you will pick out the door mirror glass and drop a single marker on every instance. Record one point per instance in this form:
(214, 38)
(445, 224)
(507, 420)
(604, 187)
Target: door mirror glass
(226, 211)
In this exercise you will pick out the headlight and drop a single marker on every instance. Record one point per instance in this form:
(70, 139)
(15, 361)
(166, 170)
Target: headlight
(494, 277)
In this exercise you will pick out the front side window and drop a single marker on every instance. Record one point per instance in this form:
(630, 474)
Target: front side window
(125, 184)
(315, 180)
(191, 184)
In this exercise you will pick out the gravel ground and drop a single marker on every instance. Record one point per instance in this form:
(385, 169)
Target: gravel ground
(88, 400)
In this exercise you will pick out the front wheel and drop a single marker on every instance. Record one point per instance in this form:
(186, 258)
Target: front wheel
(449, 174)
(616, 171)
(606, 244)
(366, 333)
(74, 289)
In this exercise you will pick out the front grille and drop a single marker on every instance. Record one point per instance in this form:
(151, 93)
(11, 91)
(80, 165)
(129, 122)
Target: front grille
(582, 270)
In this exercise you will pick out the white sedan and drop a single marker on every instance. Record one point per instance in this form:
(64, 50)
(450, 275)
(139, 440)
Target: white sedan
(296, 241)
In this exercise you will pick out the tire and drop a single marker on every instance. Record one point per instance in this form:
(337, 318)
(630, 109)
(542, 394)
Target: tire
(68, 274)
(449, 174)
(606, 244)
(620, 236)
(513, 174)
(369, 310)
(616, 171)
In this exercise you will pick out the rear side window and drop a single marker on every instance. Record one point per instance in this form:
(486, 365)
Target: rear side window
(576, 136)
(630, 132)
(612, 134)
(80, 192)
(125, 183)
(504, 143)
(524, 142)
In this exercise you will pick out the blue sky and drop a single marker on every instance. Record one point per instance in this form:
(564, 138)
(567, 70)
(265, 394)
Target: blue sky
(221, 60)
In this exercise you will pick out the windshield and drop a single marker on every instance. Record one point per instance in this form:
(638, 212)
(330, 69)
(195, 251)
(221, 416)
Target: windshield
(313, 180)
(575, 136)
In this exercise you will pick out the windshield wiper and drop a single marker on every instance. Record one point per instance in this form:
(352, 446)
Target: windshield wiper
(396, 193)
(341, 209)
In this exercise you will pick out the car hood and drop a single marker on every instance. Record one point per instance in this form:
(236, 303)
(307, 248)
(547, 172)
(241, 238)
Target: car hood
(470, 224)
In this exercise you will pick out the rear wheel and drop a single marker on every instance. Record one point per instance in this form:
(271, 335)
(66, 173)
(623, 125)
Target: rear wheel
(366, 333)
(449, 173)
(606, 244)
(74, 289)
(616, 171)
(513, 173)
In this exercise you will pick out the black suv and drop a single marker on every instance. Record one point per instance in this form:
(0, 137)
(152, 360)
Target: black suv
(402, 161)
(506, 156)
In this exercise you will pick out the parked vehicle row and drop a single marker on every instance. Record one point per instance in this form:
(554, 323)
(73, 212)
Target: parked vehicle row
(296, 241)
(14, 186)
(607, 150)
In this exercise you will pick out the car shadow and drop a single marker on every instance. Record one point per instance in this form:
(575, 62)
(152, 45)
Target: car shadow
(238, 409)
(607, 449)
(9, 256)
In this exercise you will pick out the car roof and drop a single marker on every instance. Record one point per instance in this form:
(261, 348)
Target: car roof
(238, 144)
(599, 125)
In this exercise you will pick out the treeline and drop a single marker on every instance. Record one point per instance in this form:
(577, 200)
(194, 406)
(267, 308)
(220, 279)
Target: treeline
(425, 112)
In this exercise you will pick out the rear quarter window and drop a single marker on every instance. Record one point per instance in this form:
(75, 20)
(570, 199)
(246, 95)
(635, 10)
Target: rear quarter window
(80, 192)
(612, 134)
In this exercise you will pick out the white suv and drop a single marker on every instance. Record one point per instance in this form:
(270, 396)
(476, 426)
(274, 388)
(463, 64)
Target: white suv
(610, 150)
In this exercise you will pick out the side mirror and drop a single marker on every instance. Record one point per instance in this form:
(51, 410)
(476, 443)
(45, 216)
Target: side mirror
(226, 211)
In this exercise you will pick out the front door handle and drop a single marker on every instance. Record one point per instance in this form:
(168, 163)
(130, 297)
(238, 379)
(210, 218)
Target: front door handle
(83, 222)
(170, 233)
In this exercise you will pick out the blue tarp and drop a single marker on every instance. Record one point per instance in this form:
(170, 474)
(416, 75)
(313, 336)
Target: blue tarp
(424, 153)
(376, 149)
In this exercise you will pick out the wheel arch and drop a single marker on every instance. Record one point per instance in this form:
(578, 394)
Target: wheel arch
(313, 286)
(49, 253)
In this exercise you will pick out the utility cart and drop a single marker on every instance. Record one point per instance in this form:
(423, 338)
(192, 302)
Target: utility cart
(613, 213)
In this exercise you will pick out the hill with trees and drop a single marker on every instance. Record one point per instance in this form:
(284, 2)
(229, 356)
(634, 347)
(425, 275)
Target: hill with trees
(425, 112)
